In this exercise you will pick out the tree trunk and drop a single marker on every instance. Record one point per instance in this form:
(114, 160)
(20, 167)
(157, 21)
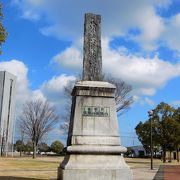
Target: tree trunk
(170, 159)
(20, 153)
(155, 152)
(164, 156)
(161, 156)
(34, 150)
(177, 154)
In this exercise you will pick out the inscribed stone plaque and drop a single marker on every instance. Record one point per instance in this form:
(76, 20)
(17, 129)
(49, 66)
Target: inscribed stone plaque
(92, 60)
(96, 111)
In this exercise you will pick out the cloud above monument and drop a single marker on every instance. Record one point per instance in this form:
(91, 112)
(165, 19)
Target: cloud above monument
(61, 19)
(53, 89)
(146, 75)
(142, 24)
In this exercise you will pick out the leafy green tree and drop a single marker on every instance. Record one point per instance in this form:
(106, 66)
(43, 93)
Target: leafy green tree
(43, 147)
(3, 33)
(170, 128)
(143, 132)
(57, 147)
(163, 114)
(29, 147)
(176, 132)
(20, 146)
(165, 129)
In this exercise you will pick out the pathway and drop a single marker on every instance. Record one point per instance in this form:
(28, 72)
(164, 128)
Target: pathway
(168, 172)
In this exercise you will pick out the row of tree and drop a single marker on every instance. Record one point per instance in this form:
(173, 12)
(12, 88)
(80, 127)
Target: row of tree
(26, 148)
(39, 117)
(165, 130)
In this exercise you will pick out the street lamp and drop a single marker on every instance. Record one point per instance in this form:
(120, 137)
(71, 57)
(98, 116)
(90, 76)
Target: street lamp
(151, 146)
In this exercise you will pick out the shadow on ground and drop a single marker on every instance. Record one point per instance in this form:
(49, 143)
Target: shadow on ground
(137, 162)
(160, 174)
(14, 178)
(17, 178)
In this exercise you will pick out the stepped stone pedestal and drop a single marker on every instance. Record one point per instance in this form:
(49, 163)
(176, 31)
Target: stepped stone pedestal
(93, 145)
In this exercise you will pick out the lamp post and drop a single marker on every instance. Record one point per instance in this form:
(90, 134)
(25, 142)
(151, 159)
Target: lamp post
(151, 144)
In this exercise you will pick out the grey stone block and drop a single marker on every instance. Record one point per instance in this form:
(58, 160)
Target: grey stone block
(94, 167)
(93, 148)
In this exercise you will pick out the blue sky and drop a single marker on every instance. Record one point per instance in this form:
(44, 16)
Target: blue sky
(140, 44)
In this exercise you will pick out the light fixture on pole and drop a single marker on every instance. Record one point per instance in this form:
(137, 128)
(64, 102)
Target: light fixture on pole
(151, 144)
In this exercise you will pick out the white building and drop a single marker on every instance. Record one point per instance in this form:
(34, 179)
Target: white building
(7, 111)
(138, 151)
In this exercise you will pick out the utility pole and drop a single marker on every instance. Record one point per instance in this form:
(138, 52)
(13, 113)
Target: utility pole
(151, 143)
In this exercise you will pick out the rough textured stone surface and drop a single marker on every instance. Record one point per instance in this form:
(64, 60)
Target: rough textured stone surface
(96, 174)
(93, 146)
(94, 167)
(93, 128)
(92, 62)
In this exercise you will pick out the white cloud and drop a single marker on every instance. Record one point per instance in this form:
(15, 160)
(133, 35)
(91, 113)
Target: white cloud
(69, 58)
(64, 19)
(172, 32)
(143, 101)
(53, 89)
(37, 94)
(176, 103)
(151, 29)
(146, 75)
(31, 9)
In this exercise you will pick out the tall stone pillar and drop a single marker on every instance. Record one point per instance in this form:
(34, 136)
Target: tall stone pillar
(93, 147)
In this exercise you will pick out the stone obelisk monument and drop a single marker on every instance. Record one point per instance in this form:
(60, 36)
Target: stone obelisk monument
(93, 147)
(92, 61)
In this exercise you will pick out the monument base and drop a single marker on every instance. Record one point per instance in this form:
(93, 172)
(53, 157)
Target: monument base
(93, 146)
(94, 167)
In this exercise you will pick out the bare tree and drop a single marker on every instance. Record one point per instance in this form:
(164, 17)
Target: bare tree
(66, 117)
(122, 94)
(122, 97)
(21, 130)
(37, 119)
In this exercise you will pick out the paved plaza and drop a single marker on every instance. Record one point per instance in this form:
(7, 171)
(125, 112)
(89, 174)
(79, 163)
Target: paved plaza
(168, 172)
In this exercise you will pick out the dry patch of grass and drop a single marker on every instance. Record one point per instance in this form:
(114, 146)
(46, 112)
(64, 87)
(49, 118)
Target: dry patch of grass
(39, 168)
(46, 167)
(141, 163)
